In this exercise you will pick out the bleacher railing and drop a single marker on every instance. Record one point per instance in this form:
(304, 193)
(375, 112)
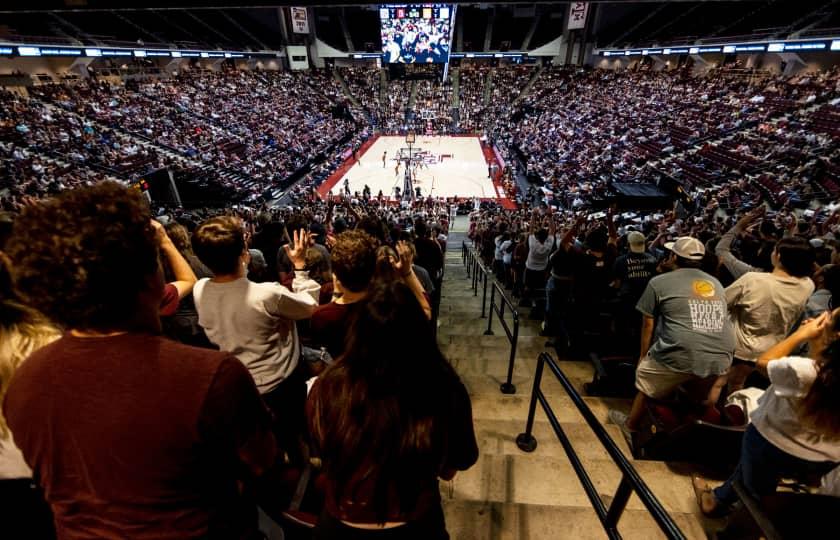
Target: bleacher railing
(499, 302)
(512, 334)
(477, 273)
(630, 479)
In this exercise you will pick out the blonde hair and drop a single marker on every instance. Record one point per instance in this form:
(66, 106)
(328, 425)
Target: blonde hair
(22, 332)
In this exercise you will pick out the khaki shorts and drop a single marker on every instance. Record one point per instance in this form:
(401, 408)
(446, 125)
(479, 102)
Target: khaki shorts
(657, 380)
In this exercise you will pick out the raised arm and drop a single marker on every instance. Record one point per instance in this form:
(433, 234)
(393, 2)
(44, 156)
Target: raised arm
(566, 242)
(184, 276)
(406, 270)
(814, 331)
(613, 235)
(723, 250)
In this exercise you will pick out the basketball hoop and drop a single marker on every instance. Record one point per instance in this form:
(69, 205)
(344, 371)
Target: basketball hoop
(410, 137)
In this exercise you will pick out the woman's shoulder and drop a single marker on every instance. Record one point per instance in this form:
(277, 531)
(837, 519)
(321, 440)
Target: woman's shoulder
(793, 374)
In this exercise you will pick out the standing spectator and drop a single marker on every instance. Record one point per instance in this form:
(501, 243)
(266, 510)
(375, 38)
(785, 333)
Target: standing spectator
(183, 324)
(22, 332)
(632, 272)
(256, 321)
(353, 265)
(166, 443)
(183, 276)
(693, 341)
(764, 306)
(541, 243)
(382, 463)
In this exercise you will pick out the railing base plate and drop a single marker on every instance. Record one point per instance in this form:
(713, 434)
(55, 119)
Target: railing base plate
(526, 442)
(507, 388)
(488, 333)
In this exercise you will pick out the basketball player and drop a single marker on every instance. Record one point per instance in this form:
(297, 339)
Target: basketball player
(397, 169)
(384, 158)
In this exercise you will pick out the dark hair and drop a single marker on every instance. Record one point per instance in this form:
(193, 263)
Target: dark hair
(84, 258)
(820, 408)
(420, 228)
(354, 259)
(796, 256)
(682, 262)
(318, 266)
(542, 235)
(831, 282)
(180, 237)
(596, 240)
(219, 242)
(376, 416)
(374, 227)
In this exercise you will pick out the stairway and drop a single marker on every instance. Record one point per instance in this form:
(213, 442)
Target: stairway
(345, 89)
(512, 495)
(525, 91)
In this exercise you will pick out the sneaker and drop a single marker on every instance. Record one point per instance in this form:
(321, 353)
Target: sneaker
(620, 419)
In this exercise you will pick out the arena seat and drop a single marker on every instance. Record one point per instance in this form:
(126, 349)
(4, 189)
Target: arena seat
(782, 515)
(679, 430)
(614, 376)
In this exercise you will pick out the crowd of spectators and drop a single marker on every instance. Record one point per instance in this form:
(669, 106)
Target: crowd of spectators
(578, 130)
(395, 107)
(472, 80)
(432, 111)
(706, 303)
(364, 83)
(266, 134)
(715, 294)
(46, 149)
(291, 316)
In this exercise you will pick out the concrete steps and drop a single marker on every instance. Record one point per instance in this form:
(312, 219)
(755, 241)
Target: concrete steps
(513, 495)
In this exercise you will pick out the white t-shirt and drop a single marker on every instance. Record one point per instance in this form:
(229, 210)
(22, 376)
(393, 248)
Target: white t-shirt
(506, 255)
(777, 419)
(538, 253)
(256, 323)
(498, 253)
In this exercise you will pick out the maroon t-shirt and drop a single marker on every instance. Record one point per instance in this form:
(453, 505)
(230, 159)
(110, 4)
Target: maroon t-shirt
(135, 436)
(329, 326)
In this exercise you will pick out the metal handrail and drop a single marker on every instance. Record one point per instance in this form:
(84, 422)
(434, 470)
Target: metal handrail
(506, 387)
(630, 479)
(477, 272)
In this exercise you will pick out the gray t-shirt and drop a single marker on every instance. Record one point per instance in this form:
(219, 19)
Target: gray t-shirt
(693, 332)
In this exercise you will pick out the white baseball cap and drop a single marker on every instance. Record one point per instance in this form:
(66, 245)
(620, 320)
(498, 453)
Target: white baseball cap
(687, 248)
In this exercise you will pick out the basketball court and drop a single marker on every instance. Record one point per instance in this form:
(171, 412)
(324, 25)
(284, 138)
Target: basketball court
(444, 166)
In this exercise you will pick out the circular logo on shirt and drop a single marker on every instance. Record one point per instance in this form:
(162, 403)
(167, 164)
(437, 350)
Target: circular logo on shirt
(703, 288)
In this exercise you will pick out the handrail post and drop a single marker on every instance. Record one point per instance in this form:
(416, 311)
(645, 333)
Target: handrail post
(484, 297)
(526, 441)
(508, 387)
(468, 263)
(476, 277)
(619, 502)
(489, 331)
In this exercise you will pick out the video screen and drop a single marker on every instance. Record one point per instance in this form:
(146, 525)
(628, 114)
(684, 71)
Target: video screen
(415, 33)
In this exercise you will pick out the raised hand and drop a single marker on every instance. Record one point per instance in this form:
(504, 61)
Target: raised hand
(405, 259)
(301, 241)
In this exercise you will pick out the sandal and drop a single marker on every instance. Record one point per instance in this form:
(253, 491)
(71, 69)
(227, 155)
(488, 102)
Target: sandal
(706, 499)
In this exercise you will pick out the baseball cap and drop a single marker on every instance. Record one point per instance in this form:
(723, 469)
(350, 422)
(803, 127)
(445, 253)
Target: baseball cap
(687, 248)
(636, 240)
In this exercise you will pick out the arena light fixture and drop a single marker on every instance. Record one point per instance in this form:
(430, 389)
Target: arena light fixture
(774, 46)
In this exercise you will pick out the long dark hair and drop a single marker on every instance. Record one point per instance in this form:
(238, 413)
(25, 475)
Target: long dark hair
(820, 408)
(379, 415)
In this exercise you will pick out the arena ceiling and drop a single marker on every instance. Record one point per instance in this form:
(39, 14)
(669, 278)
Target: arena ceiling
(92, 5)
